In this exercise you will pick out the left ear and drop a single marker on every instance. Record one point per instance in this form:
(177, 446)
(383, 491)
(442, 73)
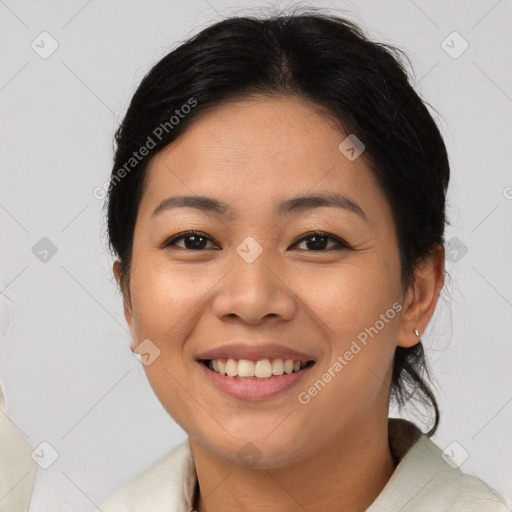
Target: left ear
(421, 298)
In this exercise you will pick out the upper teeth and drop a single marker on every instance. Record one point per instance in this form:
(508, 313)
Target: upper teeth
(264, 368)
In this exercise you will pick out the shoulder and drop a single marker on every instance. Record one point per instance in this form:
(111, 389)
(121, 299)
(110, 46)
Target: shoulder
(426, 479)
(17, 468)
(452, 489)
(167, 483)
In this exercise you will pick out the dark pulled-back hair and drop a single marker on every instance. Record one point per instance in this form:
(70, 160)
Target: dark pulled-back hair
(329, 62)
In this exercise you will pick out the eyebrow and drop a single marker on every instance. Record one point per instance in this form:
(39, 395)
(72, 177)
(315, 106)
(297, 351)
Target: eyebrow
(292, 205)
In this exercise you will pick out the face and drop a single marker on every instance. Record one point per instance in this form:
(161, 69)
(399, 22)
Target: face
(316, 277)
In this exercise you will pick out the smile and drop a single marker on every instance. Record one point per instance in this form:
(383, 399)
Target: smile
(254, 380)
(262, 369)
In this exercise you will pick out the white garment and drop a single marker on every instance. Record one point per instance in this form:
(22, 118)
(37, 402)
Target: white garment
(17, 468)
(421, 482)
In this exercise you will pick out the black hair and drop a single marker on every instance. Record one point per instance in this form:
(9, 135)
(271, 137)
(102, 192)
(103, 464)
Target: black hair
(326, 60)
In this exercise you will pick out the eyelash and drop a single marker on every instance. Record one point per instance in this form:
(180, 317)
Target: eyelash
(341, 244)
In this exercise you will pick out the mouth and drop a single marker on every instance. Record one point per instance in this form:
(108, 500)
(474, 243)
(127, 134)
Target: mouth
(254, 380)
(255, 370)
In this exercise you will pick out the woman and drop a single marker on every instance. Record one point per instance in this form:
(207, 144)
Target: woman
(277, 210)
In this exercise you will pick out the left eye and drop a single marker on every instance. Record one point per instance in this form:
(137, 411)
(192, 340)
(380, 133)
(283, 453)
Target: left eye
(318, 241)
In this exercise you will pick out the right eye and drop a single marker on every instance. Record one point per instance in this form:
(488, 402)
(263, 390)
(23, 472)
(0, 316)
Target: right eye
(193, 240)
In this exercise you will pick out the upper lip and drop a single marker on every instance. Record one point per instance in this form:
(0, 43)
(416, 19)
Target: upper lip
(255, 352)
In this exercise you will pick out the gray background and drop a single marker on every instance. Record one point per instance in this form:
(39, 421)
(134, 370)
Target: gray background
(67, 371)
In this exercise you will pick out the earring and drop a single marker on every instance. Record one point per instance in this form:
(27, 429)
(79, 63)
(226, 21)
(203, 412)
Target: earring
(417, 334)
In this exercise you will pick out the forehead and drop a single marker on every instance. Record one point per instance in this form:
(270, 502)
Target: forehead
(256, 148)
(273, 130)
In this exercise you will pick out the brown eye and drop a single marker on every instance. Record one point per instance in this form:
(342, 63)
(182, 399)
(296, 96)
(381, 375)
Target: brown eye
(318, 241)
(192, 240)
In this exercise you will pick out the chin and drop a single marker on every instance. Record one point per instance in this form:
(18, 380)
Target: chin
(258, 453)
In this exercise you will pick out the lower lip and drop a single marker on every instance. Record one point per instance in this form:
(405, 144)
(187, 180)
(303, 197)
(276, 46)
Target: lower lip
(254, 389)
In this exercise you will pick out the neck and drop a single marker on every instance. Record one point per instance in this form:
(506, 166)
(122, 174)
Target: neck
(347, 474)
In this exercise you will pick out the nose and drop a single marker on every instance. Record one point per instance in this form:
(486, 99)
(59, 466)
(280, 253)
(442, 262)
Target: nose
(254, 292)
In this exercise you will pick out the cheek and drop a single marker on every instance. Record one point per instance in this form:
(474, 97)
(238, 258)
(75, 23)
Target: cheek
(360, 325)
(163, 301)
(349, 298)
(164, 311)
(357, 306)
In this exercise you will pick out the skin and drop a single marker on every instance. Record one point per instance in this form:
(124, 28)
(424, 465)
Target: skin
(332, 453)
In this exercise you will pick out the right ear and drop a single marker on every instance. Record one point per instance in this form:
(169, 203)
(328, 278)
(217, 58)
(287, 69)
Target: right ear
(121, 281)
